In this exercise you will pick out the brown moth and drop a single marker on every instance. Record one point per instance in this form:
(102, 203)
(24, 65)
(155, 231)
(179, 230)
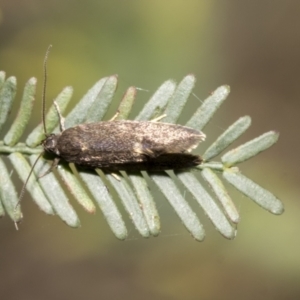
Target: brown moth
(127, 145)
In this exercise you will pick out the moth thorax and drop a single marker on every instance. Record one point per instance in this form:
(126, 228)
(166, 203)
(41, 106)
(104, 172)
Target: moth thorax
(50, 143)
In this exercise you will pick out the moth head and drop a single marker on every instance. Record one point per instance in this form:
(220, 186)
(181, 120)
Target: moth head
(50, 143)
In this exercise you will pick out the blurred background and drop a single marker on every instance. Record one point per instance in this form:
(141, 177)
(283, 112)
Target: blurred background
(253, 46)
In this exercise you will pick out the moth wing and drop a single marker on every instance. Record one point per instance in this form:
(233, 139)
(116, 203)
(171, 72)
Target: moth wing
(170, 138)
(115, 142)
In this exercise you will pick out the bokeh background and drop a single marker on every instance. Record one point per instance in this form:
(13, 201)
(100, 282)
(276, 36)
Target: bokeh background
(253, 46)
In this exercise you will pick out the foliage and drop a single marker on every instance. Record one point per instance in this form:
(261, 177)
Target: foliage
(132, 189)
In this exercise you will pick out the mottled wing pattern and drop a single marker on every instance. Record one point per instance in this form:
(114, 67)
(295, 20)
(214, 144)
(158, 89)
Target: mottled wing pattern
(129, 144)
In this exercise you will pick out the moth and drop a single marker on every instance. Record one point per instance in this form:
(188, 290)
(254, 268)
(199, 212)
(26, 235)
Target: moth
(121, 145)
(127, 145)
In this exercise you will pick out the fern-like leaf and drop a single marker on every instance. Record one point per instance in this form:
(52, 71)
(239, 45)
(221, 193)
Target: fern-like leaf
(132, 188)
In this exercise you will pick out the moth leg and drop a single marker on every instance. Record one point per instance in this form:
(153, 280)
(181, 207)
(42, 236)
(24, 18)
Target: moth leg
(61, 118)
(53, 165)
(158, 118)
(116, 176)
(115, 116)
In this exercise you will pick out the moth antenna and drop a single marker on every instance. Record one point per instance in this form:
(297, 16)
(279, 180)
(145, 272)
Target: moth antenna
(26, 181)
(44, 125)
(44, 89)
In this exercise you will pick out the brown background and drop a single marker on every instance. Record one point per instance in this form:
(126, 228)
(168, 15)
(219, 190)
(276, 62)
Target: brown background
(253, 46)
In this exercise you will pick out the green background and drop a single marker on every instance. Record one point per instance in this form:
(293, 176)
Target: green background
(254, 47)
